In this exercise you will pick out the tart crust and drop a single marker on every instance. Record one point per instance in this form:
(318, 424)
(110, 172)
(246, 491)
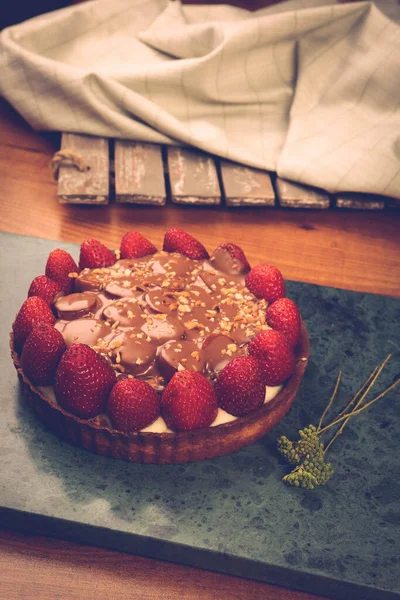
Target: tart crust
(167, 448)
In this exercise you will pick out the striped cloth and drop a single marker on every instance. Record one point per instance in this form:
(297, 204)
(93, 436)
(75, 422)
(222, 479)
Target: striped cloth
(308, 88)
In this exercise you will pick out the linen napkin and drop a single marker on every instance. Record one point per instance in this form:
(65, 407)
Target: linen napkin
(308, 89)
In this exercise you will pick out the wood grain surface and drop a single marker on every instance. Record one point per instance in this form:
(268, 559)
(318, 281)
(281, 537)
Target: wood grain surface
(292, 195)
(92, 185)
(38, 568)
(352, 250)
(139, 173)
(193, 177)
(246, 187)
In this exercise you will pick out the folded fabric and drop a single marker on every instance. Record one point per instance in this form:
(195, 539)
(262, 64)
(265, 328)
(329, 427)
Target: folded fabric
(310, 89)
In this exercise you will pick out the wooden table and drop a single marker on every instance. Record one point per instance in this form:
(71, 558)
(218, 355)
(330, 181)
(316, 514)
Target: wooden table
(352, 250)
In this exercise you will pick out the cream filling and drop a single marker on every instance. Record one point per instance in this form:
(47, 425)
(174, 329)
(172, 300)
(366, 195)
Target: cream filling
(271, 391)
(222, 417)
(160, 426)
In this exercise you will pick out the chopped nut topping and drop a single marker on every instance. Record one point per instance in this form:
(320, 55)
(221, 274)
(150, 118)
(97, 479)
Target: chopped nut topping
(160, 316)
(193, 325)
(184, 308)
(116, 344)
(177, 293)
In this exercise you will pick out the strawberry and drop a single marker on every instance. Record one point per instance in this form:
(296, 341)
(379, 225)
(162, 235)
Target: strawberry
(94, 255)
(240, 386)
(59, 264)
(135, 245)
(284, 316)
(33, 311)
(276, 357)
(41, 354)
(237, 262)
(266, 281)
(133, 405)
(176, 240)
(189, 402)
(45, 288)
(83, 381)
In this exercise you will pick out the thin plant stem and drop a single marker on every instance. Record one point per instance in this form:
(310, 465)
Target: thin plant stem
(364, 407)
(360, 391)
(330, 401)
(368, 385)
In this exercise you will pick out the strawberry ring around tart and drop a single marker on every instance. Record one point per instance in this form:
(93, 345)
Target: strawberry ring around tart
(159, 357)
(167, 448)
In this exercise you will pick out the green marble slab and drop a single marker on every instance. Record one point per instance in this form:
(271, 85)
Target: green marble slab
(231, 514)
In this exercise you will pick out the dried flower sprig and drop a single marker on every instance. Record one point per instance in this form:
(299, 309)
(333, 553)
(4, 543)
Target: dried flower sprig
(308, 454)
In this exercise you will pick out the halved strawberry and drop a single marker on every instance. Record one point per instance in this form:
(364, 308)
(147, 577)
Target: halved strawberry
(59, 264)
(94, 255)
(45, 288)
(240, 386)
(83, 381)
(266, 281)
(189, 402)
(275, 355)
(133, 404)
(135, 245)
(34, 310)
(230, 258)
(284, 316)
(176, 240)
(41, 354)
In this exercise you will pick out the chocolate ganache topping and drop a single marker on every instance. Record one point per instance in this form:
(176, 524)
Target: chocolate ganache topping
(162, 313)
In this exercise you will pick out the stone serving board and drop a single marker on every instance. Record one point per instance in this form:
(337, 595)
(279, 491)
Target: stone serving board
(231, 514)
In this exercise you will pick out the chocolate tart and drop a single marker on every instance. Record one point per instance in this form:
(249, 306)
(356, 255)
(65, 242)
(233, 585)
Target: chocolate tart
(167, 448)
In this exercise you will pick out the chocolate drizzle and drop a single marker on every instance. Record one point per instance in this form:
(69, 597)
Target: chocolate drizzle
(161, 313)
